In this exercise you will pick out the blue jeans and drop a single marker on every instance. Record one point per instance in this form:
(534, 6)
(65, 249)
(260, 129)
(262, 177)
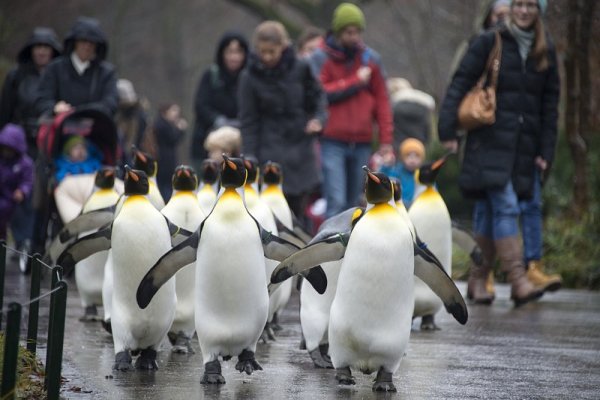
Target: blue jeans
(343, 177)
(531, 223)
(496, 217)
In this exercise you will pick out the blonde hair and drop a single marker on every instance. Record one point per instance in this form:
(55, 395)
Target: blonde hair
(272, 32)
(540, 46)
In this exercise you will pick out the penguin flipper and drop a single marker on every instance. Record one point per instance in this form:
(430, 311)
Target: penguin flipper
(465, 241)
(85, 247)
(434, 275)
(84, 222)
(275, 247)
(178, 234)
(316, 276)
(290, 235)
(166, 267)
(331, 248)
(299, 230)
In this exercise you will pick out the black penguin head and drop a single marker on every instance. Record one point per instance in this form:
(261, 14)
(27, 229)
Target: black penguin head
(184, 178)
(209, 171)
(378, 187)
(397, 189)
(105, 177)
(251, 164)
(272, 173)
(144, 161)
(428, 173)
(136, 181)
(233, 172)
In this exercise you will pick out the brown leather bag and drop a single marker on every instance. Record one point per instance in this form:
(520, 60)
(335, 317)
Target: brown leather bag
(478, 107)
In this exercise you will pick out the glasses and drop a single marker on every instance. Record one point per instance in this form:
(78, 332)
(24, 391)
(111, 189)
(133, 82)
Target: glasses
(523, 4)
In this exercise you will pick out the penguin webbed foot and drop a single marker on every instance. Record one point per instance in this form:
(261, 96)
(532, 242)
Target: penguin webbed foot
(344, 376)
(268, 334)
(147, 360)
(275, 323)
(212, 374)
(90, 314)
(383, 382)
(318, 360)
(428, 324)
(181, 343)
(122, 361)
(247, 363)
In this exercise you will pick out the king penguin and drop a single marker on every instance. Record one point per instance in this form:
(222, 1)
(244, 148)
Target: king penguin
(184, 211)
(232, 301)
(145, 162)
(207, 192)
(370, 331)
(138, 236)
(431, 219)
(89, 272)
(272, 195)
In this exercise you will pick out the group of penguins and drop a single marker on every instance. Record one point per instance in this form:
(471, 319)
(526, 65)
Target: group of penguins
(218, 258)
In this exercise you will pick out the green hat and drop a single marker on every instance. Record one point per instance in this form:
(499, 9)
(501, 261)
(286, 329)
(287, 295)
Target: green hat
(347, 14)
(72, 142)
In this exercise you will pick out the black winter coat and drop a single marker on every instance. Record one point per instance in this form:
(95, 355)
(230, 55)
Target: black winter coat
(96, 88)
(275, 105)
(526, 118)
(167, 137)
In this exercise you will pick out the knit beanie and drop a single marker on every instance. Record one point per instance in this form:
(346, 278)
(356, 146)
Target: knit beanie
(72, 142)
(412, 145)
(500, 3)
(347, 14)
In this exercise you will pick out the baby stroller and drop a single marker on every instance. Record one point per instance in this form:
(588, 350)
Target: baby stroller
(98, 129)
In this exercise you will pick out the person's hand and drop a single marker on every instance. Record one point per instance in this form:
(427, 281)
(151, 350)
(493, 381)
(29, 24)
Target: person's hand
(313, 126)
(364, 74)
(18, 196)
(541, 163)
(181, 124)
(451, 145)
(61, 107)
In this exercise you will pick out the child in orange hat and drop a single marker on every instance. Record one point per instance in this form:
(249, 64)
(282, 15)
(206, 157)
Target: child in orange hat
(411, 155)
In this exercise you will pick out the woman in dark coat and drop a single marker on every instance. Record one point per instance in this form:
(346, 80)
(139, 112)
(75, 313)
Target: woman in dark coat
(216, 97)
(503, 162)
(282, 108)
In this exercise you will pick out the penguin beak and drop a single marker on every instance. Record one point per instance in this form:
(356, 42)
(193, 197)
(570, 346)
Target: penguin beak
(371, 176)
(139, 154)
(109, 173)
(132, 175)
(186, 172)
(230, 163)
(438, 163)
(248, 164)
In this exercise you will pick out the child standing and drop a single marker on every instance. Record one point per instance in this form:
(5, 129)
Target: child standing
(412, 154)
(16, 172)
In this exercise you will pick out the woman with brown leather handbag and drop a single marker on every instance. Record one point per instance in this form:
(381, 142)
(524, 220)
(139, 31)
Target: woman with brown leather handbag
(503, 160)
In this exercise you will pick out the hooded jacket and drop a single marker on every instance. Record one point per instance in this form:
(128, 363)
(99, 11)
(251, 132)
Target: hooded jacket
(17, 104)
(353, 106)
(95, 88)
(216, 103)
(526, 118)
(16, 173)
(273, 115)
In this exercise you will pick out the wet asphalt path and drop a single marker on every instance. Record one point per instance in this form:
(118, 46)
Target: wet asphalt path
(546, 350)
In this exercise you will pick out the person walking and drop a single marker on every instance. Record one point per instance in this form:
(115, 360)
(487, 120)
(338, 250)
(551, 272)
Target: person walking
(353, 78)
(17, 106)
(216, 103)
(81, 76)
(503, 162)
(282, 109)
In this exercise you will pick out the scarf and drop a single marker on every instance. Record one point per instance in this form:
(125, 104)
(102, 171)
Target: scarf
(524, 40)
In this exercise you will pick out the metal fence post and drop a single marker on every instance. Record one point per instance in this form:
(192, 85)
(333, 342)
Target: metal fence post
(2, 270)
(56, 277)
(53, 369)
(11, 352)
(34, 292)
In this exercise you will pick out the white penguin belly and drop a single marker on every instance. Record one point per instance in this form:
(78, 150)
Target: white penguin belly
(372, 310)
(231, 290)
(89, 277)
(139, 238)
(107, 286)
(432, 222)
(315, 307)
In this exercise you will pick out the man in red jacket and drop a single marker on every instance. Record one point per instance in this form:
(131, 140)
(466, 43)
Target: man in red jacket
(353, 78)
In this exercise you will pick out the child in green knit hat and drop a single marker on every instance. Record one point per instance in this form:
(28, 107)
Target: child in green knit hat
(78, 157)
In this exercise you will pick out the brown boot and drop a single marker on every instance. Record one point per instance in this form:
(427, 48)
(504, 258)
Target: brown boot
(511, 262)
(546, 283)
(480, 269)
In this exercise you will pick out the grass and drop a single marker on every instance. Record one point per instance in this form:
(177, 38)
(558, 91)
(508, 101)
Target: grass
(30, 374)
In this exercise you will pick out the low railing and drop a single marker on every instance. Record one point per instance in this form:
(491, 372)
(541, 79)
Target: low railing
(56, 326)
